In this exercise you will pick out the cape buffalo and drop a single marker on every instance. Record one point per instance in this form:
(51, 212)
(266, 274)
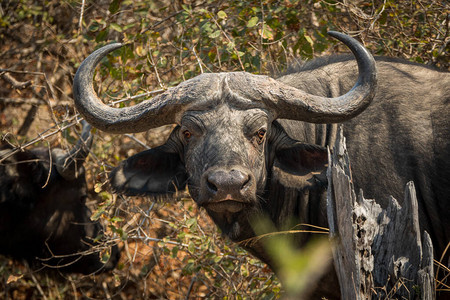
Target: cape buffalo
(249, 145)
(43, 214)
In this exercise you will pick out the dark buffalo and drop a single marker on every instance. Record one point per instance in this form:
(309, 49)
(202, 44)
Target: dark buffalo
(43, 214)
(250, 146)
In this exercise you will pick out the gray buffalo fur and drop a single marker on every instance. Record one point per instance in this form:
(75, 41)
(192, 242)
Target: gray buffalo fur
(402, 136)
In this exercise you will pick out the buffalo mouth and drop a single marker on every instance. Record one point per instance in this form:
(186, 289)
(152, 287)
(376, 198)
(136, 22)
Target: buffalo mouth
(229, 216)
(225, 206)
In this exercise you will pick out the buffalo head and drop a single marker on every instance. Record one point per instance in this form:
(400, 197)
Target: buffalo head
(43, 212)
(227, 140)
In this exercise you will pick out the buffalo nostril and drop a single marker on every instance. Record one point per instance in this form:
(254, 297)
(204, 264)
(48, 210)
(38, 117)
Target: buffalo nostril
(246, 183)
(211, 185)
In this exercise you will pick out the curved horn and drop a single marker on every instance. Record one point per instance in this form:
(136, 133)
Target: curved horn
(68, 163)
(288, 102)
(285, 101)
(160, 110)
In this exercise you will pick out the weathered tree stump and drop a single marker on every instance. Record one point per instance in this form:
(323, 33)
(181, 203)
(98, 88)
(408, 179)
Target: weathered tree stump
(379, 253)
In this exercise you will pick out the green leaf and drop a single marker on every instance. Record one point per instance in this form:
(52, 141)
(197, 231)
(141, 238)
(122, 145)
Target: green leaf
(230, 46)
(105, 256)
(252, 22)
(221, 15)
(94, 27)
(114, 6)
(116, 27)
(128, 26)
(98, 213)
(206, 27)
(106, 197)
(101, 36)
(214, 35)
(191, 247)
(174, 252)
(244, 270)
(186, 8)
(309, 40)
(191, 222)
(98, 238)
(123, 234)
(116, 219)
(267, 33)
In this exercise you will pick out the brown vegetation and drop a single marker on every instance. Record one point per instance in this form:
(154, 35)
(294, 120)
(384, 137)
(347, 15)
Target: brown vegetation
(171, 250)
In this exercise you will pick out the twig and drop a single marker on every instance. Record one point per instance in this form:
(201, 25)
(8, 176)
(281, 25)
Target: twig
(38, 286)
(14, 82)
(145, 239)
(191, 285)
(198, 59)
(150, 56)
(273, 42)
(74, 287)
(105, 288)
(43, 91)
(21, 72)
(19, 101)
(35, 140)
(229, 41)
(372, 24)
(440, 263)
(153, 27)
(49, 173)
(137, 140)
(80, 23)
(38, 94)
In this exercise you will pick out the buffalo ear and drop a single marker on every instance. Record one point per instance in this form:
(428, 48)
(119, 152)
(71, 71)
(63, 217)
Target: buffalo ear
(300, 165)
(151, 172)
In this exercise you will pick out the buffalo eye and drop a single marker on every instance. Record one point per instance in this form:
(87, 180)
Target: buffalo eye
(260, 135)
(187, 134)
